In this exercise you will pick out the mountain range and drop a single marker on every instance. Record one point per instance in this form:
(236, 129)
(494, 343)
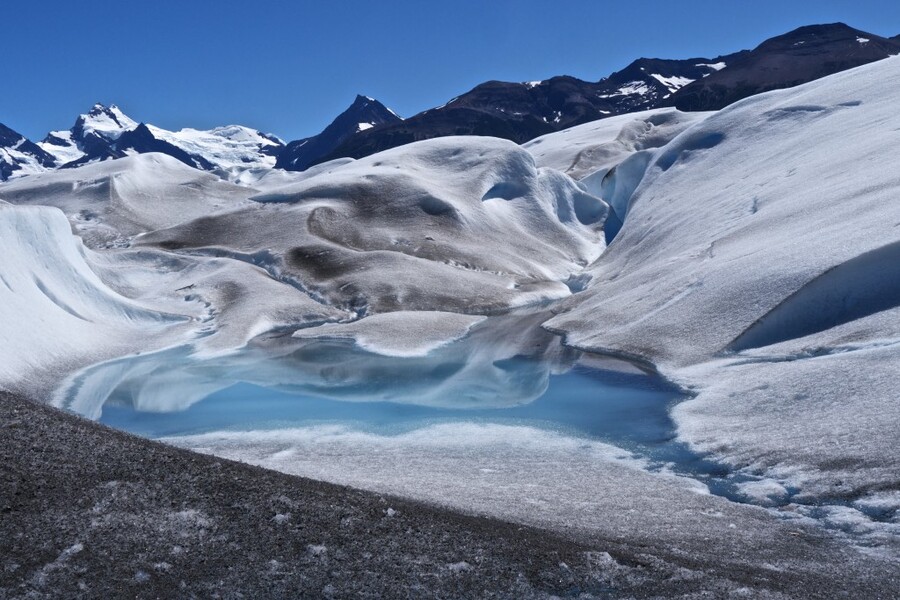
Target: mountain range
(515, 111)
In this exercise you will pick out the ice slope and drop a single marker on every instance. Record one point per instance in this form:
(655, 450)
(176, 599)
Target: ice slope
(54, 309)
(459, 224)
(757, 265)
(63, 306)
(111, 201)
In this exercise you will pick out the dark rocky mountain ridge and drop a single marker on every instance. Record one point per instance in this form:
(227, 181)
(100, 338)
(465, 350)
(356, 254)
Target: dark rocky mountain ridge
(523, 111)
(787, 60)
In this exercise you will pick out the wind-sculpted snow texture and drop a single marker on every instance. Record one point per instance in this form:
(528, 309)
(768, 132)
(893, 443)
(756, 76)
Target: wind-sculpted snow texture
(460, 224)
(757, 265)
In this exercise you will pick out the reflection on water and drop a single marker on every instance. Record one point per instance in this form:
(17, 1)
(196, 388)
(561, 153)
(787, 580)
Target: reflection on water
(506, 370)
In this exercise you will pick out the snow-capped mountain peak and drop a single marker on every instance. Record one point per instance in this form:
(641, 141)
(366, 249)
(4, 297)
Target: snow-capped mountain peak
(90, 138)
(108, 122)
(106, 132)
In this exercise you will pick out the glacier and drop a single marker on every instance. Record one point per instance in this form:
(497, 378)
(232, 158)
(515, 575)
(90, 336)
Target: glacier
(748, 255)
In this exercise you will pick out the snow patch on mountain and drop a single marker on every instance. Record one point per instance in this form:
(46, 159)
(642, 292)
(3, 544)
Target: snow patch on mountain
(672, 83)
(61, 145)
(638, 88)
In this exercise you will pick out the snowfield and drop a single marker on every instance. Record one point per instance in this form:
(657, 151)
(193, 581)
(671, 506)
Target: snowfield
(751, 256)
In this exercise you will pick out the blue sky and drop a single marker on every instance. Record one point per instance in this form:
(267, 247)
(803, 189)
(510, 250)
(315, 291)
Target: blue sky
(289, 67)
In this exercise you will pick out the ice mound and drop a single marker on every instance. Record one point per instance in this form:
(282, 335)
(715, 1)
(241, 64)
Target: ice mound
(464, 224)
(232, 301)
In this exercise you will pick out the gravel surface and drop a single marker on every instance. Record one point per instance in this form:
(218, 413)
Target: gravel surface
(90, 512)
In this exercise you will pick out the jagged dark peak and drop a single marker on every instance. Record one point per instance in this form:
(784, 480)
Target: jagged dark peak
(141, 132)
(9, 137)
(365, 113)
(363, 101)
(370, 107)
(100, 109)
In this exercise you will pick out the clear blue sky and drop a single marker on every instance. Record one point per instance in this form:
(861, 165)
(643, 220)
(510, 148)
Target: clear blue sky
(289, 67)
